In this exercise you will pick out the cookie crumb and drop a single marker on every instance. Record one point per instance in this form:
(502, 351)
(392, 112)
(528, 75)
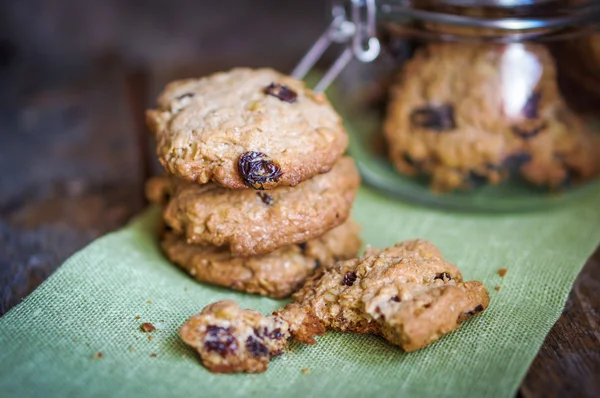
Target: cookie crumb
(153, 355)
(149, 301)
(150, 338)
(137, 318)
(130, 348)
(75, 340)
(305, 371)
(497, 288)
(502, 272)
(147, 327)
(98, 355)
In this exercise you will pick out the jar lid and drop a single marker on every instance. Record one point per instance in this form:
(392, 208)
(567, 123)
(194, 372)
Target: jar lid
(494, 20)
(497, 3)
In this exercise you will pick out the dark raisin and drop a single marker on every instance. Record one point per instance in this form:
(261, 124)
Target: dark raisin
(444, 276)
(220, 340)
(395, 299)
(475, 179)
(437, 118)
(531, 108)
(266, 198)
(527, 134)
(513, 163)
(275, 334)
(186, 95)
(282, 92)
(168, 228)
(317, 264)
(256, 348)
(302, 246)
(412, 161)
(258, 170)
(476, 310)
(349, 278)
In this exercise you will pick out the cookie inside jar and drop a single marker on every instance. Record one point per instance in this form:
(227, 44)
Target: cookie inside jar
(479, 112)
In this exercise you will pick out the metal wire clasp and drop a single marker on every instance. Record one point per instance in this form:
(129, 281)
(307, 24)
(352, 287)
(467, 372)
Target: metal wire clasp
(359, 34)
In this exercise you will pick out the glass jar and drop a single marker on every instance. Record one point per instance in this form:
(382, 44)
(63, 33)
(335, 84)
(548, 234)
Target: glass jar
(490, 105)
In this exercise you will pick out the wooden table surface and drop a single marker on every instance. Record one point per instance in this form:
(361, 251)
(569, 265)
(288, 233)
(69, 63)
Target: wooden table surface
(74, 83)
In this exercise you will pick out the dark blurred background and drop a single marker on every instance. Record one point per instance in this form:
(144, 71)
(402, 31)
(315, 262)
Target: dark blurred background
(75, 78)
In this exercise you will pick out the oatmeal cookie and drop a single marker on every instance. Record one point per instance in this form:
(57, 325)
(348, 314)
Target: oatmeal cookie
(407, 293)
(276, 274)
(246, 128)
(247, 222)
(469, 114)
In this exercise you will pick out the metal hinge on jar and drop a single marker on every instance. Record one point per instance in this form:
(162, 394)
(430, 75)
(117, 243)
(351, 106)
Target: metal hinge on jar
(358, 34)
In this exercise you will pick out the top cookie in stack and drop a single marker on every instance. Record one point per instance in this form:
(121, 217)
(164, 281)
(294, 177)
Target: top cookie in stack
(257, 194)
(246, 128)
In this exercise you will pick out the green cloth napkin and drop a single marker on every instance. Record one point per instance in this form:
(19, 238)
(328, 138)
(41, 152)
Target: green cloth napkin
(92, 303)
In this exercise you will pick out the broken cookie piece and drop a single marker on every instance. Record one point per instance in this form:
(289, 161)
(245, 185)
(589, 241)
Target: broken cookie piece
(230, 339)
(406, 293)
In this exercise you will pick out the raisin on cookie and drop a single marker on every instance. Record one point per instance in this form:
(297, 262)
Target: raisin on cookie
(406, 293)
(277, 274)
(249, 223)
(471, 114)
(244, 128)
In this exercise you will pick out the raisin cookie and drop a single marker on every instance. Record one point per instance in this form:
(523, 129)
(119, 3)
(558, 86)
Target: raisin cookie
(277, 274)
(248, 222)
(406, 293)
(246, 128)
(469, 114)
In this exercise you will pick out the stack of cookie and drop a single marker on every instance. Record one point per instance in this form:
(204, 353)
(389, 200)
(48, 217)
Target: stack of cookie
(257, 194)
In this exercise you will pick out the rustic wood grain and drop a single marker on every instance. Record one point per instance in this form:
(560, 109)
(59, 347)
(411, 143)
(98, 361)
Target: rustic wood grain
(73, 158)
(568, 365)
